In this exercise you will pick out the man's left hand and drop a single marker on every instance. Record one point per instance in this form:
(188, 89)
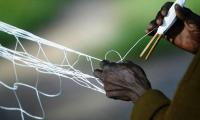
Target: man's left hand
(124, 81)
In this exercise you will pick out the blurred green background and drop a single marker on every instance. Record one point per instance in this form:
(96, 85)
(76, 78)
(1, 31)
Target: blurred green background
(133, 17)
(27, 14)
(93, 27)
(137, 15)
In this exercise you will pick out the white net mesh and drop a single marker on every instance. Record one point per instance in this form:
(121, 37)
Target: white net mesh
(36, 58)
(68, 66)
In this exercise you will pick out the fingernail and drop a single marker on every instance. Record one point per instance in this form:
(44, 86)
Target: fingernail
(164, 12)
(158, 22)
(177, 6)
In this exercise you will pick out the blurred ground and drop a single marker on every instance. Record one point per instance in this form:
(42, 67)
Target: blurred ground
(93, 27)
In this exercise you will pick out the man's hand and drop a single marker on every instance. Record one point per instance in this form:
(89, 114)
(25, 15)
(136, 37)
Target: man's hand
(125, 81)
(185, 33)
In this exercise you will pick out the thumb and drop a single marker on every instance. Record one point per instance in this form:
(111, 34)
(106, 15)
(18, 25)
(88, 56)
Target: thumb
(98, 73)
(180, 12)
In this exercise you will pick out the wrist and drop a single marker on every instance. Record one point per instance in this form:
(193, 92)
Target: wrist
(135, 96)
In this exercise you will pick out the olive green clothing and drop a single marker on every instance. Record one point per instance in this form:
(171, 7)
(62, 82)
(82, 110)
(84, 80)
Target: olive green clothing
(185, 105)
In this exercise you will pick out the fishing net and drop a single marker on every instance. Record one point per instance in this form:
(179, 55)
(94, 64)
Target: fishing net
(35, 53)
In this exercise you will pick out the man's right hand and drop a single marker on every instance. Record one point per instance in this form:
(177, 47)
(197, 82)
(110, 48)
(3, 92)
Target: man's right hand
(185, 33)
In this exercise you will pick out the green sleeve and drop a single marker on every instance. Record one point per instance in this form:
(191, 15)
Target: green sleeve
(153, 105)
(149, 105)
(186, 102)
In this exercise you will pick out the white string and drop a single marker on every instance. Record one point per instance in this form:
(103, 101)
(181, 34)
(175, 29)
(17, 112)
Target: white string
(65, 70)
(25, 59)
(113, 51)
(134, 45)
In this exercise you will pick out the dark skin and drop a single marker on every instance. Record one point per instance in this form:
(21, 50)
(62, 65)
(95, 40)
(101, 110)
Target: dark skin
(127, 81)
(185, 33)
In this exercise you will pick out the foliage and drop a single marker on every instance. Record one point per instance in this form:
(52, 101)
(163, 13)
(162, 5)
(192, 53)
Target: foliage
(26, 14)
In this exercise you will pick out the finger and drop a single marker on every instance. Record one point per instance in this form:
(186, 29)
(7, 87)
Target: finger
(137, 70)
(121, 98)
(110, 84)
(168, 37)
(98, 73)
(121, 95)
(163, 12)
(152, 32)
(173, 31)
(159, 20)
(152, 25)
(104, 63)
(107, 65)
(165, 8)
(111, 87)
(134, 67)
(129, 64)
(180, 12)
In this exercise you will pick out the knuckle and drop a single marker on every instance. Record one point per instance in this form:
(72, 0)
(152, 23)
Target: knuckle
(151, 24)
(158, 15)
(167, 4)
(159, 21)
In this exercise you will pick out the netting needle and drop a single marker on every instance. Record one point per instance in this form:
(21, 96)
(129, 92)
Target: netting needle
(167, 23)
